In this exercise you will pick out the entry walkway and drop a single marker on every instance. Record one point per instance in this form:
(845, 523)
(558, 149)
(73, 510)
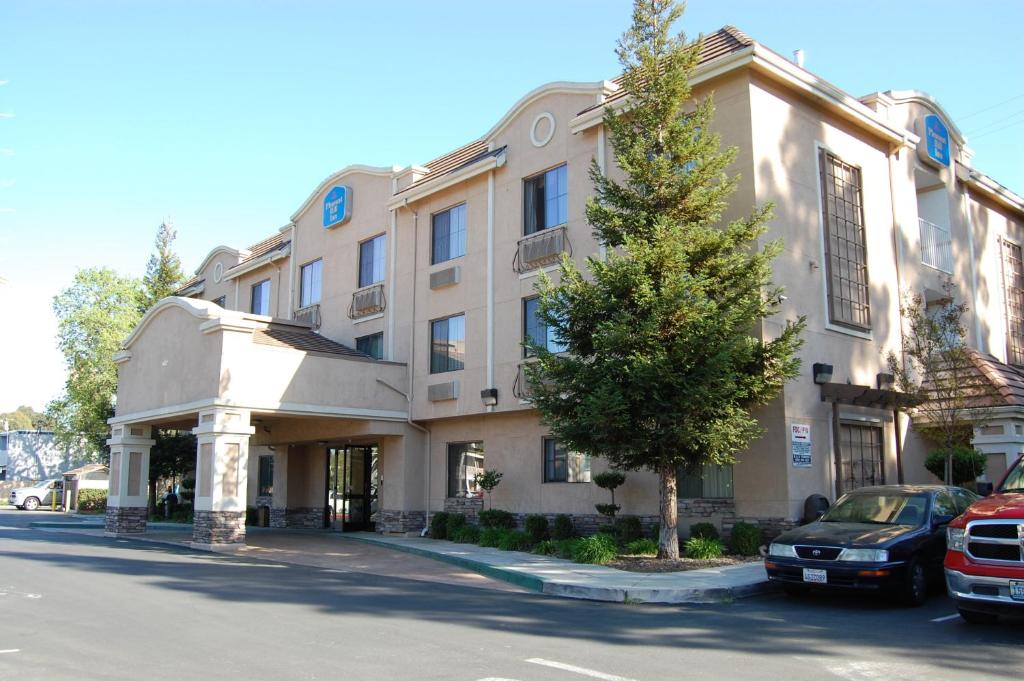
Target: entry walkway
(558, 577)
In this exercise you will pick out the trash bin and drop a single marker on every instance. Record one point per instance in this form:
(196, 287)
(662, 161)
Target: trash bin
(814, 506)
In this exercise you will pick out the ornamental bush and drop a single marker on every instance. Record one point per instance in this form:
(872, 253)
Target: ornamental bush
(704, 531)
(642, 547)
(537, 528)
(548, 547)
(628, 529)
(456, 521)
(496, 518)
(514, 540)
(968, 464)
(565, 548)
(746, 539)
(596, 550)
(467, 534)
(703, 548)
(92, 500)
(562, 528)
(491, 536)
(439, 525)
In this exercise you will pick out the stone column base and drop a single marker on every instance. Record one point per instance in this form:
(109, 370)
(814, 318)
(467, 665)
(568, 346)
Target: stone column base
(121, 520)
(306, 518)
(401, 521)
(278, 517)
(218, 530)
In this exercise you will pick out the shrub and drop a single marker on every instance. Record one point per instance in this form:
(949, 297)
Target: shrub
(968, 464)
(607, 509)
(609, 480)
(597, 550)
(467, 534)
(656, 531)
(514, 540)
(439, 525)
(455, 522)
(704, 531)
(491, 536)
(567, 547)
(562, 528)
(537, 527)
(628, 529)
(92, 500)
(746, 539)
(548, 547)
(499, 519)
(642, 547)
(703, 548)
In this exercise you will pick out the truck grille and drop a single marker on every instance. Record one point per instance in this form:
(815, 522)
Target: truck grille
(999, 541)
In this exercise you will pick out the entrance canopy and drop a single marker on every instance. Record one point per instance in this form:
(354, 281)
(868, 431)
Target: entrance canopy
(187, 355)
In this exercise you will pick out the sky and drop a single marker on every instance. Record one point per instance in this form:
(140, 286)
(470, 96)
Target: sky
(223, 115)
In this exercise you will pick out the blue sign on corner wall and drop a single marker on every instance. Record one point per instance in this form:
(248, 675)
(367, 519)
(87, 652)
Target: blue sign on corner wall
(337, 206)
(936, 137)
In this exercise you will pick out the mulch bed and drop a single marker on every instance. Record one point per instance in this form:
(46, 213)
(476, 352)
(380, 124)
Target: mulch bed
(648, 564)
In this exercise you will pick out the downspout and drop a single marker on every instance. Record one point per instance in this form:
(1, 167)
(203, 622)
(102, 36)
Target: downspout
(898, 255)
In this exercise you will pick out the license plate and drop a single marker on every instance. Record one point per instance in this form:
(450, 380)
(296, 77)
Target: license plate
(820, 576)
(1017, 589)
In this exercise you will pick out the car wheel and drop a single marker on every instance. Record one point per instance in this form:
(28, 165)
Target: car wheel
(915, 586)
(975, 617)
(795, 590)
(31, 504)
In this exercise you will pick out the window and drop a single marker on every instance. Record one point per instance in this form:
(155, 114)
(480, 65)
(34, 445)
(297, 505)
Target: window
(963, 498)
(861, 456)
(447, 344)
(265, 479)
(372, 345)
(845, 248)
(710, 482)
(944, 505)
(465, 462)
(1013, 290)
(936, 246)
(545, 200)
(371, 261)
(561, 465)
(260, 298)
(311, 285)
(536, 330)
(3, 473)
(222, 301)
(448, 238)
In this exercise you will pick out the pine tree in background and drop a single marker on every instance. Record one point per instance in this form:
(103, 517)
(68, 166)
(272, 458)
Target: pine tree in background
(164, 275)
(661, 369)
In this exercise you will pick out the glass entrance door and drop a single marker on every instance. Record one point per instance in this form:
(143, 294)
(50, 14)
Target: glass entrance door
(352, 487)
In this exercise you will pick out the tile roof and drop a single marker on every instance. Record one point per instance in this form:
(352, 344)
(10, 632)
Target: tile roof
(272, 243)
(451, 161)
(304, 340)
(1007, 381)
(190, 283)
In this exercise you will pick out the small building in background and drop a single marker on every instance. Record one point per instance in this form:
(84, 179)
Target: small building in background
(31, 455)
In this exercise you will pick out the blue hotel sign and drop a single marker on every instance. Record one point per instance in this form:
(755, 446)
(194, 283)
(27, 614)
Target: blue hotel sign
(936, 137)
(337, 206)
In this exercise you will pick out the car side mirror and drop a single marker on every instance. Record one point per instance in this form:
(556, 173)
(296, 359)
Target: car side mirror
(938, 520)
(984, 488)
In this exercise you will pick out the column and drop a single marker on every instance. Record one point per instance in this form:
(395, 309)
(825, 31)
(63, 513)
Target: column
(127, 499)
(279, 503)
(222, 462)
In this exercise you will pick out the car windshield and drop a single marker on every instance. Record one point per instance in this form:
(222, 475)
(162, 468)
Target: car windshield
(1014, 481)
(883, 508)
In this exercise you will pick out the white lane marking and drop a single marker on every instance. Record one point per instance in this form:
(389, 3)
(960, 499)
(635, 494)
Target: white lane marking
(946, 618)
(577, 670)
(863, 670)
(496, 678)
(11, 650)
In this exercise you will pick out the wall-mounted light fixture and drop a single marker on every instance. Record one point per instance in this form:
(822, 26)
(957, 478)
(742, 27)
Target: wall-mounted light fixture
(885, 381)
(822, 373)
(489, 396)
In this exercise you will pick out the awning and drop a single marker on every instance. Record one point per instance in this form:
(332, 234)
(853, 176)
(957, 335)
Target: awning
(865, 396)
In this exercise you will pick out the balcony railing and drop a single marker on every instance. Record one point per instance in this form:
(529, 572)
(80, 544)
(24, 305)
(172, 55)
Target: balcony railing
(936, 246)
(541, 248)
(367, 301)
(309, 315)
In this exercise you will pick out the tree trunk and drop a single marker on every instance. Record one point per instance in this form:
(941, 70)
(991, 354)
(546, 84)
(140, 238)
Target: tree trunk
(668, 537)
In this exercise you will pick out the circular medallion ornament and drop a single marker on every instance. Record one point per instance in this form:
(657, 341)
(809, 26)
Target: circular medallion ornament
(218, 272)
(543, 129)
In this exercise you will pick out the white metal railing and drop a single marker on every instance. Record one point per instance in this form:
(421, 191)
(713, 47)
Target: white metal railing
(936, 246)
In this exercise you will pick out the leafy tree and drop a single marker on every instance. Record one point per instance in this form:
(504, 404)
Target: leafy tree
(487, 481)
(173, 455)
(968, 464)
(938, 372)
(666, 350)
(164, 275)
(95, 314)
(24, 418)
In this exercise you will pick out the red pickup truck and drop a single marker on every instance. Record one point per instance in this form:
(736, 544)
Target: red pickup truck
(985, 553)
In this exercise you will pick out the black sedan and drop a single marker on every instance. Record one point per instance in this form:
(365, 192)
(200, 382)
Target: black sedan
(890, 538)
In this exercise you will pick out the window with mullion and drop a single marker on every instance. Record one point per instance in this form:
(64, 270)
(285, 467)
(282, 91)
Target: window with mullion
(561, 465)
(845, 243)
(372, 345)
(265, 477)
(1013, 289)
(260, 300)
(448, 234)
(311, 283)
(447, 344)
(545, 200)
(536, 330)
(371, 261)
(710, 482)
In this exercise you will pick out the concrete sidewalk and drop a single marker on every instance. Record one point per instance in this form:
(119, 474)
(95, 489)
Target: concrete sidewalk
(557, 577)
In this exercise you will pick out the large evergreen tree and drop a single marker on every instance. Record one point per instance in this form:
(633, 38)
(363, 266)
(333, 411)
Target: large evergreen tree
(164, 275)
(666, 350)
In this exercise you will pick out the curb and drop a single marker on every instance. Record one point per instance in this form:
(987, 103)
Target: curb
(723, 594)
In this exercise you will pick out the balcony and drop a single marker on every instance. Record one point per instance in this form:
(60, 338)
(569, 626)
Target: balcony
(541, 249)
(367, 301)
(936, 246)
(309, 315)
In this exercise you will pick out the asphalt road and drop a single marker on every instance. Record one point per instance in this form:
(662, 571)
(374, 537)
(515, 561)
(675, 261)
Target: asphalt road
(78, 607)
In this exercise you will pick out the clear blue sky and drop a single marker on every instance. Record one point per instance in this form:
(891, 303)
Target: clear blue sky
(225, 115)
